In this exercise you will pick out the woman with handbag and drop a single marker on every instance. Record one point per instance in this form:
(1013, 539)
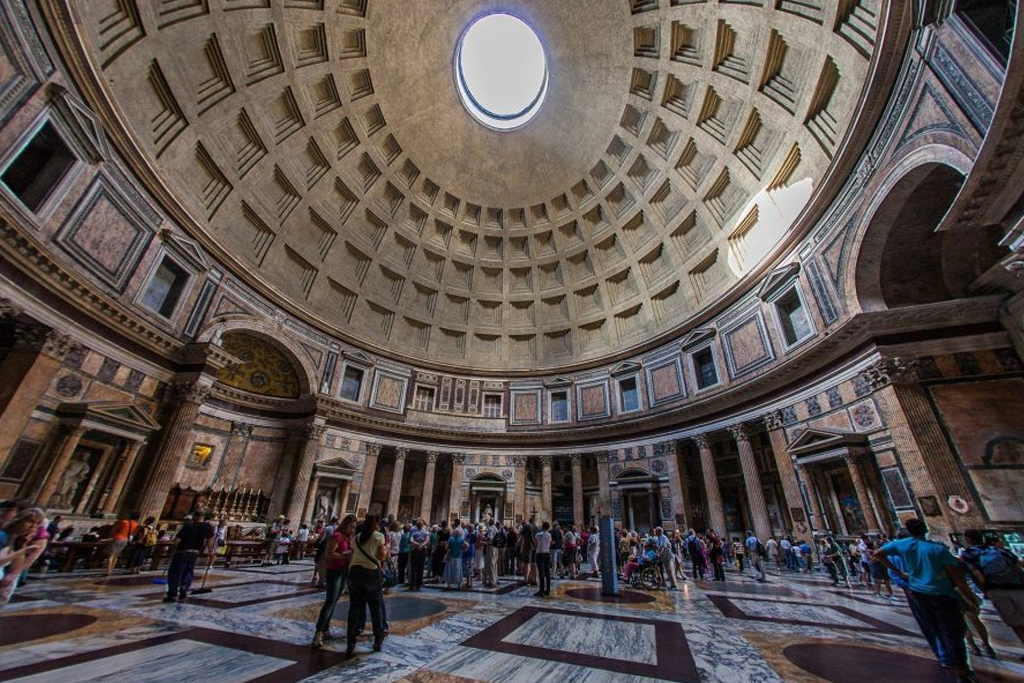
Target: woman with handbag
(366, 584)
(453, 565)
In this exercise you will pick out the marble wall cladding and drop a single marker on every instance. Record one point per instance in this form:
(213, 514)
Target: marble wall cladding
(747, 346)
(389, 392)
(592, 400)
(260, 467)
(526, 407)
(665, 381)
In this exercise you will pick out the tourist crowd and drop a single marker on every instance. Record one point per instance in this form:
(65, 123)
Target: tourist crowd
(367, 557)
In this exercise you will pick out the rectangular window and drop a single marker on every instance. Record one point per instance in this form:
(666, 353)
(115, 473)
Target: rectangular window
(424, 399)
(559, 406)
(38, 169)
(629, 396)
(793, 318)
(492, 405)
(165, 288)
(351, 383)
(704, 368)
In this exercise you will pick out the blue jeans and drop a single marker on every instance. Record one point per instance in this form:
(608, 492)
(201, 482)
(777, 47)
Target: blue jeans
(335, 584)
(943, 626)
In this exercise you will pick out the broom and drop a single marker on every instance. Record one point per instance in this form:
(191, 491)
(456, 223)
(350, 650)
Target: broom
(203, 589)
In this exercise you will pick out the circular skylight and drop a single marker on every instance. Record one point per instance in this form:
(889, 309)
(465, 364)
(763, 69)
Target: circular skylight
(501, 71)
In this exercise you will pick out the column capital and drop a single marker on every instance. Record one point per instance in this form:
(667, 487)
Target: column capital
(9, 309)
(576, 459)
(191, 392)
(432, 456)
(701, 440)
(401, 452)
(46, 342)
(851, 458)
(773, 420)
(459, 458)
(546, 460)
(896, 370)
(241, 429)
(315, 431)
(739, 432)
(519, 460)
(371, 448)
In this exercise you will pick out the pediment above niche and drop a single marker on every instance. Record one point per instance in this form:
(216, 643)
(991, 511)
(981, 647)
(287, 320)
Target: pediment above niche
(818, 439)
(115, 414)
(777, 279)
(697, 337)
(83, 123)
(184, 247)
(357, 357)
(626, 368)
(558, 382)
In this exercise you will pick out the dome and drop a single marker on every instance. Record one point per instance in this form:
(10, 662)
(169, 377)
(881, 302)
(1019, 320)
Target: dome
(323, 150)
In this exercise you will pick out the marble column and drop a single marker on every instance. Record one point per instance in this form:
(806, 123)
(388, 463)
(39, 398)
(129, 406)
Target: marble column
(547, 500)
(427, 500)
(112, 496)
(853, 464)
(787, 471)
(577, 489)
(676, 484)
(366, 484)
(307, 506)
(916, 431)
(175, 445)
(346, 490)
(64, 447)
(716, 511)
(455, 495)
(818, 520)
(519, 463)
(234, 455)
(25, 376)
(604, 484)
(395, 495)
(752, 481)
(310, 441)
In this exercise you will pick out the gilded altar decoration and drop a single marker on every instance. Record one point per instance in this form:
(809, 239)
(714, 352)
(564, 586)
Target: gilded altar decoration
(264, 370)
(200, 457)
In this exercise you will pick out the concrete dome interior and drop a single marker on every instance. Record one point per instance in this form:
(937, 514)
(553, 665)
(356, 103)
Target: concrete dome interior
(753, 264)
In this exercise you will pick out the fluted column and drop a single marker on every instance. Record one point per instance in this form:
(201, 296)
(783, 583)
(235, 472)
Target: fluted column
(311, 437)
(427, 499)
(94, 479)
(395, 495)
(604, 484)
(307, 505)
(716, 512)
(547, 501)
(577, 489)
(64, 447)
(676, 484)
(234, 455)
(346, 491)
(916, 431)
(25, 376)
(366, 484)
(175, 445)
(112, 496)
(853, 467)
(818, 520)
(455, 495)
(519, 462)
(787, 472)
(752, 480)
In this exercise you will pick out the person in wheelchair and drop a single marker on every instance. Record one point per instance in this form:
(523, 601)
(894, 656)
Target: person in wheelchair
(647, 558)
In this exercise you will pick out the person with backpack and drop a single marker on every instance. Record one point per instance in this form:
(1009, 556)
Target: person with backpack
(755, 551)
(366, 584)
(998, 573)
(144, 541)
(935, 577)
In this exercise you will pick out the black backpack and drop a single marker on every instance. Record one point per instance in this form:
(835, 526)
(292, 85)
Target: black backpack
(500, 539)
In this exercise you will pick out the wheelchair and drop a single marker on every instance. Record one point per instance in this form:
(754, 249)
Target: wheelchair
(647, 577)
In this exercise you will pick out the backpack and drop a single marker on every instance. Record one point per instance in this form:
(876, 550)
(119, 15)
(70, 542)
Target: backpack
(998, 569)
(500, 539)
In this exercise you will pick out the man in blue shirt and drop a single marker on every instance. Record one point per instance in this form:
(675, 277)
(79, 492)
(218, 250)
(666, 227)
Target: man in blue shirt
(933, 576)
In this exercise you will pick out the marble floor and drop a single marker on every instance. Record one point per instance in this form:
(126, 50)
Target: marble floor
(255, 625)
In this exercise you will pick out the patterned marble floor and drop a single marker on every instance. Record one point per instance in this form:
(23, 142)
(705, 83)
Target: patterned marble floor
(256, 624)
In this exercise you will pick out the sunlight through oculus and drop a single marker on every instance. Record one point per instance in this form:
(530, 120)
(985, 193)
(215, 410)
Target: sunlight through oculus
(501, 71)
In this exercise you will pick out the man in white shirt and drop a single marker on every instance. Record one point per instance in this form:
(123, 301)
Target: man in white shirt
(490, 556)
(787, 550)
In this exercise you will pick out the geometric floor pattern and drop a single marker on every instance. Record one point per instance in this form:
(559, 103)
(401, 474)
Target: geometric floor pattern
(255, 626)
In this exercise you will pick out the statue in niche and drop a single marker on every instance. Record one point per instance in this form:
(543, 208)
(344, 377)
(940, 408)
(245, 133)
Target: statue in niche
(488, 512)
(67, 487)
(322, 510)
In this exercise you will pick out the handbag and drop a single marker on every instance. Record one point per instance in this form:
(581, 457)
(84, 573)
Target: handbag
(390, 575)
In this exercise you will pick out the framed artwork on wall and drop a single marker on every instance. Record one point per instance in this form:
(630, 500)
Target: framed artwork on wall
(200, 457)
(930, 506)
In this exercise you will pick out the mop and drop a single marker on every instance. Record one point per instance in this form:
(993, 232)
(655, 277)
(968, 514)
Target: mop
(203, 589)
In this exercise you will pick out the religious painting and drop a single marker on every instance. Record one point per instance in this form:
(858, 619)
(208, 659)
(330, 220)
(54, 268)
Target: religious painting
(798, 515)
(930, 506)
(849, 504)
(20, 461)
(405, 504)
(733, 516)
(264, 369)
(982, 420)
(200, 457)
